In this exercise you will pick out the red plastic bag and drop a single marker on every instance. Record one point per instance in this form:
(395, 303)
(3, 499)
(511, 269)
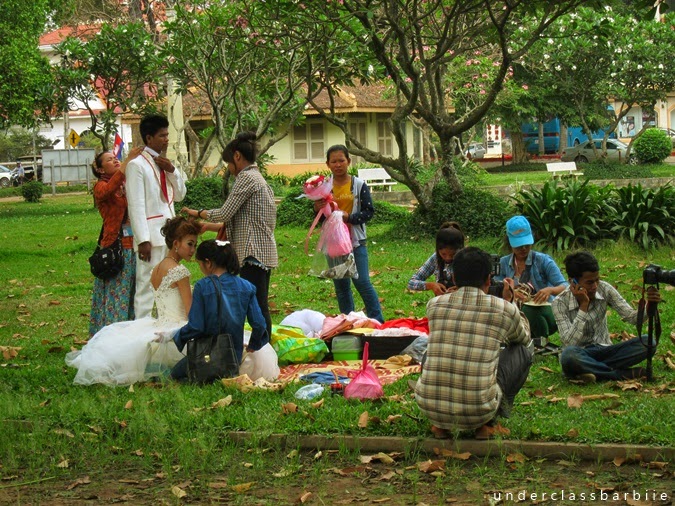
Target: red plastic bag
(366, 384)
(335, 240)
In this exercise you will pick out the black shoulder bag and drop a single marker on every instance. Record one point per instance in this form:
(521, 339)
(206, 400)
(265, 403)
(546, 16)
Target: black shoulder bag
(106, 263)
(212, 357)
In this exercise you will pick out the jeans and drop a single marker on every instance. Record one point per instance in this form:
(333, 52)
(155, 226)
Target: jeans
(343, 287)
(606, 362)
(260, 278)
(512, 370)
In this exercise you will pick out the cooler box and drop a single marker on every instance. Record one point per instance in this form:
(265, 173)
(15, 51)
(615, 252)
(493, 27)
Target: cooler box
(383, 347)
(346, 347)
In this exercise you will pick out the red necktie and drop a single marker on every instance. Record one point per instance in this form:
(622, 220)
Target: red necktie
(162, 180)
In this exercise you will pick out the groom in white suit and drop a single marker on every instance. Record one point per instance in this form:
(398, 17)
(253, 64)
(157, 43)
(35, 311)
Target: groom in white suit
(152, 186)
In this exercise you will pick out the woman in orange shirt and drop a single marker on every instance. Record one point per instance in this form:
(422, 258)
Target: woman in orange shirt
(112, 299)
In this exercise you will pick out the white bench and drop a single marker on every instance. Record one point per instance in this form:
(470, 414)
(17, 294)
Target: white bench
(563, 168)
(377, 177)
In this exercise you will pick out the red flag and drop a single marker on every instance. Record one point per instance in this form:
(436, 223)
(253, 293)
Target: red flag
(118, 147)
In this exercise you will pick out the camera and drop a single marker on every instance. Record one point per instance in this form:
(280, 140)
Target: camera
(653, 274)
(496, 269)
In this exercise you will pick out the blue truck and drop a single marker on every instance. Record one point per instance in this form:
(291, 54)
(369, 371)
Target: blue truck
(575, 136)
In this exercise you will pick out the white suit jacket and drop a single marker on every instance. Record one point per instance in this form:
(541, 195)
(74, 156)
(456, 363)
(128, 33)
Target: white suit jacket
(148, 209)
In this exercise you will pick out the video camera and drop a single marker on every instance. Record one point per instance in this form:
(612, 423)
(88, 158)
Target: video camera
(496, 266)
(654, 274)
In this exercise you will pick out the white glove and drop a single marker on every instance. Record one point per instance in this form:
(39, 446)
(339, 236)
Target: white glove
(164, 336)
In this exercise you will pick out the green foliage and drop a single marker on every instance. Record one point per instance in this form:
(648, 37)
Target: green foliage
(279, 183)
(565, 215)
(653, 146)
(480, 213)
(32, 191)
(518, 167)
(602, 169)
(389, 213)
(122, 61)
(295, 211)
(17, 142)
(203, 193)
(644, 215)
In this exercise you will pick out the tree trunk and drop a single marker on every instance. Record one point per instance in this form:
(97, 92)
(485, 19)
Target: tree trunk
(563, 138)
(542, 148)
(518, 148)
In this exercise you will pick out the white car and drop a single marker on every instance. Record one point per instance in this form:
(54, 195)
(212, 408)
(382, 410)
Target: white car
(5, 177)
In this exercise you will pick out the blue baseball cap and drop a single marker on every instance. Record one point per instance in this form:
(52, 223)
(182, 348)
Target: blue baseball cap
(519, 232)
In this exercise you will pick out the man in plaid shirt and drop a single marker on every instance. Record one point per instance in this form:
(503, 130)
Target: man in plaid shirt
(468, 378)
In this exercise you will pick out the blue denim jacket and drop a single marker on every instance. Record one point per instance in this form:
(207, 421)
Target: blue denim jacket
(238, 304)
(543, 273)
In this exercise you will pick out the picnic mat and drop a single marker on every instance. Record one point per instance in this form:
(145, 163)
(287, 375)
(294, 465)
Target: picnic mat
(388, 371)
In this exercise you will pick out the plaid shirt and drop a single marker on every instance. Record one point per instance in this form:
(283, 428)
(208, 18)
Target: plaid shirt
(578, 328)
(250, 215)
(458, 388)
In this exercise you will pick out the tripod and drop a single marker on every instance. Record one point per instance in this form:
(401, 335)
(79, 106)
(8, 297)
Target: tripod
(653, 327)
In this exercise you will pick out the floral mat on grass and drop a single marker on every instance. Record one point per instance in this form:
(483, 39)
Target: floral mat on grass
(388, 371)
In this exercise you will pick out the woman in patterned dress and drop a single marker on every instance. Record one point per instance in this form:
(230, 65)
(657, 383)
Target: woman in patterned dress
(113, 299)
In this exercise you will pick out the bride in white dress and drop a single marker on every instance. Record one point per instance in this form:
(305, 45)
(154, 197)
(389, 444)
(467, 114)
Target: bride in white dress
(124, 353)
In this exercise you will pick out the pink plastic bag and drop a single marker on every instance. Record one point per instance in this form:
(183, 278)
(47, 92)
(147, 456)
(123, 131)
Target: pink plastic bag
(335, 240)
(365, 384)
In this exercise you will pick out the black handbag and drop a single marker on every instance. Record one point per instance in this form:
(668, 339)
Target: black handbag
(106, 263)
(212, 357)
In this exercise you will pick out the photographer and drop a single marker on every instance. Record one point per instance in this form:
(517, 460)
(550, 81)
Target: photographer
(581, 314)
(468, 380)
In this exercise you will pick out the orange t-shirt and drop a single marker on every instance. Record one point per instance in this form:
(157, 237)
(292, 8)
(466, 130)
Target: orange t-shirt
(343, 196)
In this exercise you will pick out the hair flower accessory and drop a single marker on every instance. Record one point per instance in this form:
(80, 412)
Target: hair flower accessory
(222, 243)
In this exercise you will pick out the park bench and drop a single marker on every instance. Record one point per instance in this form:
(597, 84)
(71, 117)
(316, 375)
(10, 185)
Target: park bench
(377, 177)
(558, 169)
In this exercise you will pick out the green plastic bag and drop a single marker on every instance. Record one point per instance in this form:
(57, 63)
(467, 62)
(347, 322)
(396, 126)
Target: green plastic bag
(293, 347)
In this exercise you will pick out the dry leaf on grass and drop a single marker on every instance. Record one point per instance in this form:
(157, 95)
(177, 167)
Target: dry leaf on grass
(572, 433)
(218, 485)
(629, 385)
(9, 352)
(129, 405)
(63, 432)
(546, 369)
(382, 457)
(80, 481)
(393, 418)
(431, 466)
(656, 465)
(516, 457)
(575, 401)
(537, 393)
(318, 455)
(443, 452)
(292, 454)
(349, 470)
(221, 403)
(670, 363)
(289, 407)
(384, 499)
(304, 497)
(387, 476)
(63, 464)
(318, 404)
(178, 492)
(243, 487)
(363, 420)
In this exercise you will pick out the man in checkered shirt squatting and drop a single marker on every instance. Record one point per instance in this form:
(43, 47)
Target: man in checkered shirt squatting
(478, 355)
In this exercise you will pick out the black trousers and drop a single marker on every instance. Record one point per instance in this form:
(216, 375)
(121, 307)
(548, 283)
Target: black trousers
(260, 278)
(512, 370)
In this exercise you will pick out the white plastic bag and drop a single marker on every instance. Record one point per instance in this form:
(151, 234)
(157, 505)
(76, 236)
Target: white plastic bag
(260, 364)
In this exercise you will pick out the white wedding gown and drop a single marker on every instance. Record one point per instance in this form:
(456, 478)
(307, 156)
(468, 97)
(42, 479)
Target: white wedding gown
(124, 353)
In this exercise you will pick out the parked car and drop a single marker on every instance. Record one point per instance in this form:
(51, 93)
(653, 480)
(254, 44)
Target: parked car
(583, 153)
(475, 150)
(5, 177)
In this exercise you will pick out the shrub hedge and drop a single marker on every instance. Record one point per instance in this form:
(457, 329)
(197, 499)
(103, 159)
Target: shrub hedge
(615, 170)
(653, 146)
(32, 191)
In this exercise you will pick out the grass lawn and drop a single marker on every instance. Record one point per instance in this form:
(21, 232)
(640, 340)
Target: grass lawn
(53, 428)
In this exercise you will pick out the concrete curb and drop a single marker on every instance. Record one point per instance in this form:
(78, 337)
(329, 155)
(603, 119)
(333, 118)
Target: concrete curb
(493, 448)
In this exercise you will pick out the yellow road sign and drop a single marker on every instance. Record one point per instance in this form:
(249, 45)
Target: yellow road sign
(73, 138)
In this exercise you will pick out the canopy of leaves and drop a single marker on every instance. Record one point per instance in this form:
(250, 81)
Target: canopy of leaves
(25, 91)
(119, 65)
